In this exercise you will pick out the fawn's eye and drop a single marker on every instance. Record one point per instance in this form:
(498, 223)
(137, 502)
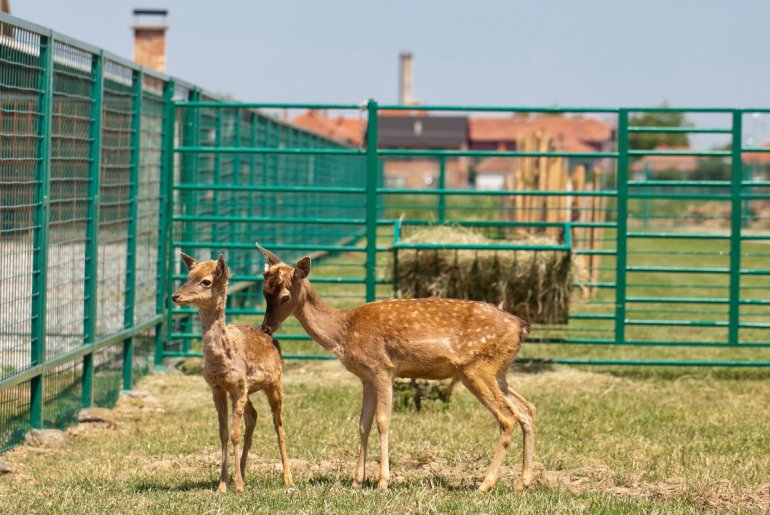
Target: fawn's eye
(206, 282)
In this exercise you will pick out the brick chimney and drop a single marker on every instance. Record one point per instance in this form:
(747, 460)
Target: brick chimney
(150, 38)
(405, 79)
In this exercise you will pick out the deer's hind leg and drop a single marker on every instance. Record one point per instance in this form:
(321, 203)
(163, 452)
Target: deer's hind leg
(275, 399)
(526, 414)
(483, 384)
(250, 415)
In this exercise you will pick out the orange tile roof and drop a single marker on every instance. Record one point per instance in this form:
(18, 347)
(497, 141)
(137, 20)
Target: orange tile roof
(758, 157)
(495, 164)
(347, 130)
(662, 163)
(573, 133)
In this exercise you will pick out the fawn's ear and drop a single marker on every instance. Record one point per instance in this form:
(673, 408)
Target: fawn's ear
(222, 271)
(188, 261)
(303, 267)
(270, 258)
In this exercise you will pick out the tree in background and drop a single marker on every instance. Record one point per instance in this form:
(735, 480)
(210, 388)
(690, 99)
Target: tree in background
(651, 140)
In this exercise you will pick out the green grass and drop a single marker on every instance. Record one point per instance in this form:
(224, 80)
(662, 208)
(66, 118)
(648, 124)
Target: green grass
(642, 440)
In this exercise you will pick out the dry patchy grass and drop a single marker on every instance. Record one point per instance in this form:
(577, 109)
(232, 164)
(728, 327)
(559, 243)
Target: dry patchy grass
(616, 441)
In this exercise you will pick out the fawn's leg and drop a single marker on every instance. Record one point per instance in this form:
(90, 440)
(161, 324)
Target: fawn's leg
(275, 399)
(384, 392)
(220, 403)
(238, 398)
(368, 404)
(250, 415)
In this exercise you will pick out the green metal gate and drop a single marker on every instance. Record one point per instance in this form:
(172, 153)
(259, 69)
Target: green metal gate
(712, 298)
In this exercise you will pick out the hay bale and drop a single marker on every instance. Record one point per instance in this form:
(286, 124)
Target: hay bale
(535, 285)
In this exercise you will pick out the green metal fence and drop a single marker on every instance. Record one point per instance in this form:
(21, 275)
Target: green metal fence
(81, 170)
(669, 293)
(108, 170)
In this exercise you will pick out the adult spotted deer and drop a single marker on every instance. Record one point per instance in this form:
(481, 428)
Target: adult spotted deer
(239, 360)
(473, 342)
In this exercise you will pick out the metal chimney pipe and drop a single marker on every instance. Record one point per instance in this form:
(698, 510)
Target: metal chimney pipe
(405, 79)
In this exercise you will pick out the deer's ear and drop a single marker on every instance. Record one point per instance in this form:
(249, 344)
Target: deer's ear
(222, 271)
(188, 261)
(270, 258)
(303, 267)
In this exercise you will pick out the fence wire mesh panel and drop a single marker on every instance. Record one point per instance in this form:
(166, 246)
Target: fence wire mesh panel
(239, 181)
(80, 207)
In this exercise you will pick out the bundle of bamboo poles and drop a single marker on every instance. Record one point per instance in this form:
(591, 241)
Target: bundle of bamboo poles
(551, 173)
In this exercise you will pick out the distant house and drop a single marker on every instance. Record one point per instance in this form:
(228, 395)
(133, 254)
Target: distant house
(415, 129)
(570, 134)
(656, 165)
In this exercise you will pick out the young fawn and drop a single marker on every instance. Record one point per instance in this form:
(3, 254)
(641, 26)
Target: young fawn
(239, 360)
(473, 342)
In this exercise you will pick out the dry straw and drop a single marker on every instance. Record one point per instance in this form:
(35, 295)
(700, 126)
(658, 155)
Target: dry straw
(535, 285)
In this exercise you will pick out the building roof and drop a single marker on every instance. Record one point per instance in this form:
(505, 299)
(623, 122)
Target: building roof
(346, 130)
(571, 133)
(495, 165)
(422, 131)
(663, 163)
(758, 157)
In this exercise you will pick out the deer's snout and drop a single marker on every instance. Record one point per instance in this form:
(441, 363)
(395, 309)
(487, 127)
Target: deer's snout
(175, 297)
(266, 329)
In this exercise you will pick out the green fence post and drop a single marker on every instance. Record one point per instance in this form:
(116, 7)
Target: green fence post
(622, 227)
(190, 118)
(90, 308)
(168, 146)
(441, 187)
(736, 177)
(133, 192)
(40, 234)
(371, 200)
(166, 177)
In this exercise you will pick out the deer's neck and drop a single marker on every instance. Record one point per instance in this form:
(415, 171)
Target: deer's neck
(214, 326)
(322, 322)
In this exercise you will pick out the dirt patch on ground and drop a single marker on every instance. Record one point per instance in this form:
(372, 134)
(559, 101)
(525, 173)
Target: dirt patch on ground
(720, 495)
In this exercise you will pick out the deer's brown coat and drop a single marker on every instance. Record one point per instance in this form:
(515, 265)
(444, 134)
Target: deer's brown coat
(468, 341)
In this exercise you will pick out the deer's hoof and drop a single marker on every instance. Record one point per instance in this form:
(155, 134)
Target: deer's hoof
(222, 488)
(521, 486)
(487, 484)
(357, 483)
(382, 484)
(287, 480)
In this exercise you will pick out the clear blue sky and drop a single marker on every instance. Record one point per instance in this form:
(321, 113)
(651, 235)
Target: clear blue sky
(565, 52)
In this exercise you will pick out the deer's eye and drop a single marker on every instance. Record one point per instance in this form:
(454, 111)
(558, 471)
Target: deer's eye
(206, 282)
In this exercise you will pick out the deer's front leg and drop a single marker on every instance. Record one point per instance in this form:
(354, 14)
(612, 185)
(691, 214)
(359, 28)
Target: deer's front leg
(239, 398)
(220, 403)
(384, 389)
(368, 404)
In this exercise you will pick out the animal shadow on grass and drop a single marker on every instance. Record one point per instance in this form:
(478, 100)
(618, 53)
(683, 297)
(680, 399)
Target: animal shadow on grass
(435, 481)
(184, 486)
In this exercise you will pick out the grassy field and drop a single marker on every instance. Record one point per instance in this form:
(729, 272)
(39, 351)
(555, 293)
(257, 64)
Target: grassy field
(610, 441)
